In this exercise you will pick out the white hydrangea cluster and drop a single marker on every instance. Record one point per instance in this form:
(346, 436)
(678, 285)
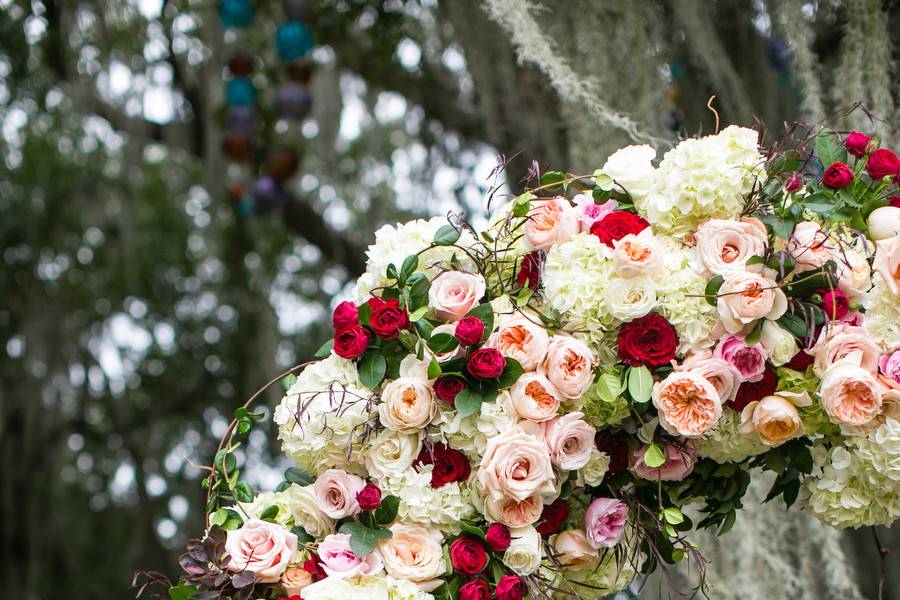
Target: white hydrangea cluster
(702, 178)
(370, 587)
(883, 314)
(470, 434)
(333, 408)
(443, 507)
(725, 443)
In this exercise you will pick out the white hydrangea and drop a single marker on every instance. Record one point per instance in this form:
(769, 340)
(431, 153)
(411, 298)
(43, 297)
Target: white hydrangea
(333, 407)
(608, 577)
(443, 507)
(883, 314)
(702, 178)
(725, 443)
(393, 243)
(681, 300)
(470, 434)
(372, 587)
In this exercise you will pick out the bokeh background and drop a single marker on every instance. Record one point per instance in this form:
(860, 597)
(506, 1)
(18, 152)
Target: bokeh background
(146, 292)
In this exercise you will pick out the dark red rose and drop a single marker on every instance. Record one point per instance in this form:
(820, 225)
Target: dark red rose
(475, 589)
(388, 319)
(486, 363)
(530, 269)
(469, 331)
(883, 163)
(468, 556)
(800, 361)
(552, 517)
(369, 498)
(446, 387)
(615, 445)
(344, 315)
(837, 176)
(835, 303)
(498, 537)
(894, 201)
(351, 341)
(449, 465)
(294, 597)
(751, 391)
(376, 302)
(856, 143)
(650, 340)
(510, 587)
(617, 225)
(313, 566)
(794, 182)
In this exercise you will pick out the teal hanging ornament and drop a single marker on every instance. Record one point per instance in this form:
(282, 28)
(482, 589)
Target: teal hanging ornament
(235, 13)
(293, 40)
(240, 92)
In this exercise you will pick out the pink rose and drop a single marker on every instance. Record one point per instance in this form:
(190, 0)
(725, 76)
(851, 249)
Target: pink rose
(887, 262)
(521, 339)
(750, 361)
(568, 365)
(809, 246)
(570, 441)
(574, 551)
(516, 464)
(260, 547)
(535, 398)
(514, 513)
(551, 221)
(890, 366)
(723, 375)
(725, 246)
(680, 460)
(589, 212)
(688, 404)
(637, 255)
(604, 522)
(336, 493)
(338, 560)
(850, 395)
(841, 341)
(745, 298)
(454, 293)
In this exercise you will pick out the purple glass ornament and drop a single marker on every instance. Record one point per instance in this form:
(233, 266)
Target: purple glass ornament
(241, 120)
(296, 10)
(293, 101)
(268, 195)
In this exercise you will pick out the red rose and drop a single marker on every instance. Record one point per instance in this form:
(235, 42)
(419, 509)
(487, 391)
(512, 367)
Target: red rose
(835, 303)
(498, 537)
(552, 517)
(894, 201)
(369, 498)
(751, 391)
(510, 587)
(376, 302)
(294, 597)
(446, 387)
(530, 269)
(794, 182)
(469, 331)
(313, 566)
(388, 319)
(344, 315)
(617, 225)
(351, 341)
(837, 176)
(856, 143)
(486, 363)
(650, 340)
(800, 361)
(468, 556)
(615, 445)
(449, 465)
(475, 589)
(883, 163)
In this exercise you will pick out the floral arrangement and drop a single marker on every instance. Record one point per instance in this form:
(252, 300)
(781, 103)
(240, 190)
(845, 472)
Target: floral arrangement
(529, 410)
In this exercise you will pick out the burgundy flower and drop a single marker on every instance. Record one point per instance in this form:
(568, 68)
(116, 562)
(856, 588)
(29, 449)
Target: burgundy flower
(446, 387)
(615, 445)
(344, 315)
(751, 391)
(835, 303)
(313, 566)
(449, 465)
(837, 176)
(510, 587)
(530, 269)
(369, 498)
(468, 556)
(552, 517)
(475, 589)
(486, 363)
(617, 225)
(650, 340)
(351, 341)
(469, 331)
(388, 319)
(857, 143)
(894, 201)
(883, 163)
(800, 361)
(498, 537)
(794, 182)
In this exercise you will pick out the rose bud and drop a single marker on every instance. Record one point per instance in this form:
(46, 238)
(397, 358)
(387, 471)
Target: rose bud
(498, 537)
(857, 143)
(475, 589)
(486, 363)
(837, 176)
(388, 319)
(351, 341)
(510, 587)
(446, 387)
(469, 331)
(883, 163)
(794, 182)
(530, 270)
(835, 303)
(344, 315)
(369, 498)
(468, 556)
(552, 517)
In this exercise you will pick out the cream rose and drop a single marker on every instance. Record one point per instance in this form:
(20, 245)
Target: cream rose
(774, 418)
(570, 441)
(725, 246)
(516, 464)
(295, 578)
(304, 507)
(596, 468)
(336, 493)
(391, 453)
(260, 547)
(688, 404)
(573, 550)
(413, 553)
(637, 255)
(535, 398)
(631, 168)
(747, 297)
(550, 221)
(887, 262)
(779, 344)
(524, 553)
(523, 340)
(407, 405)
(330, 588)
(454, 293)
(629, 299)
(512, 512)
(853, 273)
(809, 246)
(841, 341)
(849, 394)
(568, 365)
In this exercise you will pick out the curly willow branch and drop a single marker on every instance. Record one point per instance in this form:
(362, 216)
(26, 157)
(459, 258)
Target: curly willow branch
(536, 47)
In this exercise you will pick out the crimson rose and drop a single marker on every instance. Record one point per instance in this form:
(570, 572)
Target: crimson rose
(498, 537)
(388, 319)
(894, 201)
(617, 225)
(468, 556)
(369, 497)
(510, 587)
(344, 315)
(650, 340)
(800, 361)
(449, 465)
(313, 566)
(794, 182)
(856, 143)
(475, 589)
(351, 341)
(469, 331)
(751, 391)
(552, 517)
(883, 163)
(837, 176)
(486, 363)
(835, 303)
(446, 387)
(530, 269)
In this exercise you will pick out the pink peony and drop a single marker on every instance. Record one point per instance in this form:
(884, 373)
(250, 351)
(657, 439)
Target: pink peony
(604, 522)
(750, 361)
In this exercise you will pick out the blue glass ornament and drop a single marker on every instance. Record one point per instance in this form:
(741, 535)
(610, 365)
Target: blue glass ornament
(240, 92)
(235, 13)
(293, 40)
(245, 206)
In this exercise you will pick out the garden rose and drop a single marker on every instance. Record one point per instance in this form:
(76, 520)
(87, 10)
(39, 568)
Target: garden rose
(449, 465)
(857, 143)
(369, 498)
(723, 375)
(446, 387)
(467, 555)
(351, 341)
(687, 403)
(853, 272)
(747, 297)
(454, 293)
(837, 176)
(725, 246)
(650, 340)
(809, 246)
(475, 589)
(750, 361)
(552, 517)
(516, 465)
(589, 212)
(486, 363)
(413, 552)
(841, 341)
(778, 343)
(330, 588)
(295, 579)
(884, 222)
(637, 255)
(535, 398)
(887, 262)
(570, 441)
(344, 315)
(616, 225)
(883, 163)
(680, 460)
(390, 452)
(514, 513)
(604, 522)
(630, 299)
(387, 319)
(338, 560)
(497, 537)
(568, 365)
(524, 553)
(407, 405)
(774, 418)
(336, 493)
(263, 548)
(510, 587)
(849, 394)
(835, 303)
(890, 366)
(523, 340)
(550, 221)
(631, 168)
(469, 331)
(574, 551)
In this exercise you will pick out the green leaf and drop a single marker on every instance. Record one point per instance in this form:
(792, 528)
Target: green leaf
(362, 538)
(755, 334)
(290, 378)
(712, 289)
(829, 150)
(468, 402)
(609, 387)
(640, 383)
(551, 177)
(524, 296)
(440, 343)
(243, 492)
(447, 235)
(485, 312)
(673, 516)
(295, 475)
(793, 324)
(219, 517)
(603, 181)
(269, 513)
(302, 536)
(418, 313)
(324, 350)
(472, 530)
(522, 204)
(371, 369)
(782, 228)
(182, 591)
(387, 510)
(510, 374)
(434, 369)
(244, 426)
(654, 457)
(410, 263)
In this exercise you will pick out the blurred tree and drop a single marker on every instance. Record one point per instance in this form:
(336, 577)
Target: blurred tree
(138, 309)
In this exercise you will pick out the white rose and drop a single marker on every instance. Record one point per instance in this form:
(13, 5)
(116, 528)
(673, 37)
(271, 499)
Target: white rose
(301, 502)
(595, 470)
(524, 553)
(637, 255)
(330, 588)
(391, 453)
(780, 344)
(407, 405)
(629, 299)
(631, 168)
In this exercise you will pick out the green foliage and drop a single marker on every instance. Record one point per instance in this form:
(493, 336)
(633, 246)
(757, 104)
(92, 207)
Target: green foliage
(362, 538)
(447, 235)
(372, 368)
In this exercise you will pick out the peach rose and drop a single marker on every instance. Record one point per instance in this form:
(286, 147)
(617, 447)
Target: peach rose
(853, 273)
(260, 547)
(723, 375)
(512, 512)
(774, 418)
(550, 221)
(841, 341)
(335, 492)
(535, 398)
(454, 293)
(569, 440)
(413, 553)
(747, 297)
(338, 560)
(849, 394)
(295, 578)
(568, 366)
(687, 403)
(887, 262)
(523, 340)
(407, 405)
(724, 246)
(516, 464)
(809, 246)
(637, 255)
(573, 550)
